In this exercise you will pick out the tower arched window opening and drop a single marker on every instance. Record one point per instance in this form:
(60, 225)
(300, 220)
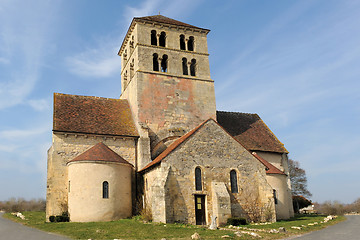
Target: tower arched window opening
(162, 39)
(125, 56)
(190, 43)
(185, 66)
(193, 67)
(155, 62)
(182, 42)
(105, 187)
(198, 180)
(233, 182)
(132, 69)
(153, 38)
(164, 63)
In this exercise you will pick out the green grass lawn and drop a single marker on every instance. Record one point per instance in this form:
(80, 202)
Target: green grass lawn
(136, 229)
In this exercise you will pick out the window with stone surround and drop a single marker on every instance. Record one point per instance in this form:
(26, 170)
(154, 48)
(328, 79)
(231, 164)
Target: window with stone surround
(198, 179)
(182, 42)
(190, 43)
(185, 66)
(233, 181)
(193, 67)
(153, 38)
(164, 63)
(162, 39)
(275, 196)
(105, 187)
(155, 62)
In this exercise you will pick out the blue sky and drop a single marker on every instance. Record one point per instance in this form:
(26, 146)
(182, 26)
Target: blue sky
(295, 63)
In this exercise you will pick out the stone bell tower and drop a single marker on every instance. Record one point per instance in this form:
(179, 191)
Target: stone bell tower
(165, 76)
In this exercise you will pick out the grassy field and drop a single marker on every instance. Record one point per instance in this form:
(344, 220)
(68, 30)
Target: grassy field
(136, 229)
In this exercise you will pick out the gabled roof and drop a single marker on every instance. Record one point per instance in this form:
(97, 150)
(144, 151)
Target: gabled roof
(270, 169)
(173, 146)
(100, 152)
(251, 131)
(94, 115)
(165, 20)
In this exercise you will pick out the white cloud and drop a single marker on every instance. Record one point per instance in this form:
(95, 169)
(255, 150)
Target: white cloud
(98, 62)
(19, 134)
(40, 104)
(25, 34)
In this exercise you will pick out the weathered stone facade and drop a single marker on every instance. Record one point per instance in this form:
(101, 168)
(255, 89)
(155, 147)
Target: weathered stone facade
(172, 191)
(185, 166)
(67, 146)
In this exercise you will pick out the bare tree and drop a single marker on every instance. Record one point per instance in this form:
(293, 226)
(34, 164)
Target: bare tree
(298, 182)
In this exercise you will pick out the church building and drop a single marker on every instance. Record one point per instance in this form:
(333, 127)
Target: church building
(162, 147)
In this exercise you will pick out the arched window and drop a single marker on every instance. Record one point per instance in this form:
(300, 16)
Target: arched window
(125, 56)
(155, 62)
(185, 66)
(182, 42)
(192, 67)
(105, 186)
(153, 38)
(191, 44)
(164, 63)
(275, 197)
(132, 69)
(233, 181)
(198, 182)
(162, 39)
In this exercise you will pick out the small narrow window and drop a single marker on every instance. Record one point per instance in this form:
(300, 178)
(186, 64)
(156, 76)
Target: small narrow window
(198, 183)
(155, 62)
(132, 69)
(185, 66)
(125, 56)
(233, 181)
(105, 189)
(193, 67)
(191, 44)
(275, 197)
(162, 39)
(153, 38)
(69, 186)
(182, 42)
(164, 63)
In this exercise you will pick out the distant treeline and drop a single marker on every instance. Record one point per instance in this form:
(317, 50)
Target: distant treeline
(20, 205)
(337, 208)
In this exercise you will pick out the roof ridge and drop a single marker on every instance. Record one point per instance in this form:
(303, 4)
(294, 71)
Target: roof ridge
(271, 169)
(174, 145)
(85, 96)
(100, 152)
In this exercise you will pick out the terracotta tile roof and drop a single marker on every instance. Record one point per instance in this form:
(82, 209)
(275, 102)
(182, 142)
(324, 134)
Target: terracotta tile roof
(270, 169)
(173, 146)
(251, 131)
(100, 152)
(84, 114)
(166, 20)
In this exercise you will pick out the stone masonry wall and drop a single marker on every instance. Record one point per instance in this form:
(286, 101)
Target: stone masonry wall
(66, 147)
(216, 153)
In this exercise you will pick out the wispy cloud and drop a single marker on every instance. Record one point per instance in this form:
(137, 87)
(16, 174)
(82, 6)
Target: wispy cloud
(18, 134)
(24, 37)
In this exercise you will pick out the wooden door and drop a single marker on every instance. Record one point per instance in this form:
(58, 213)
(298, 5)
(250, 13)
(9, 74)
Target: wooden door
(200, 209)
